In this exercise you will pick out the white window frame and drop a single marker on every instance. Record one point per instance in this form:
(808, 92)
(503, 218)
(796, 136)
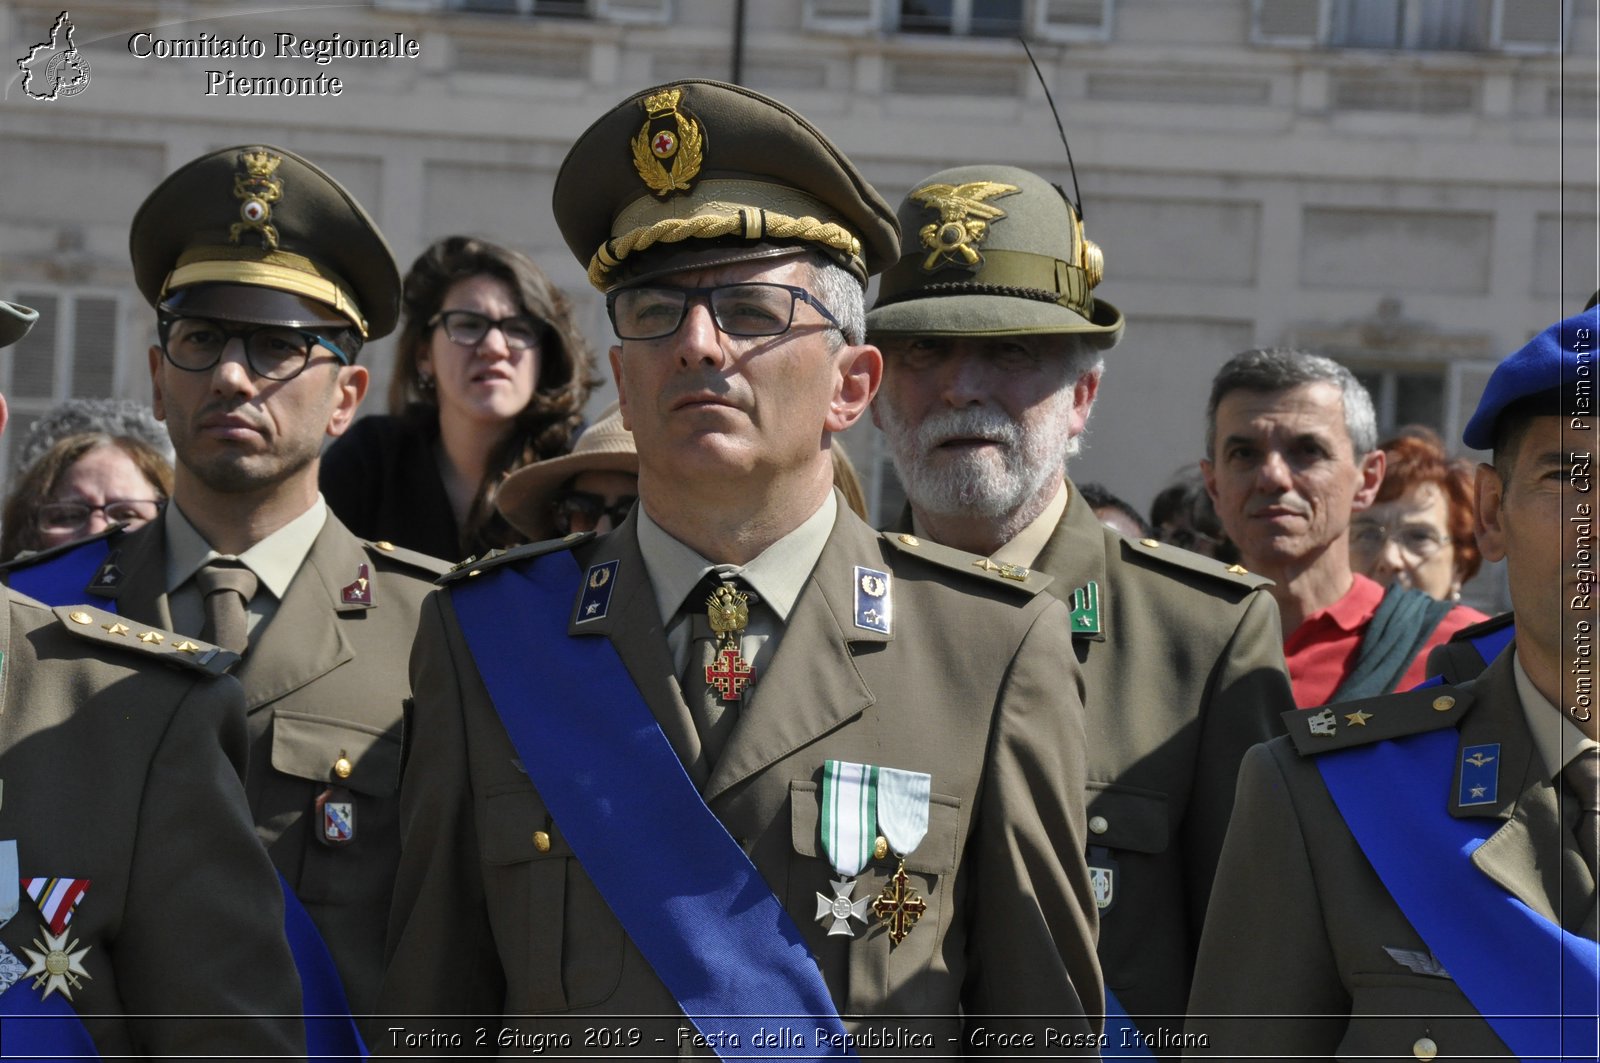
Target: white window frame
(1045, 31)
(1324, 32)
(63, 358)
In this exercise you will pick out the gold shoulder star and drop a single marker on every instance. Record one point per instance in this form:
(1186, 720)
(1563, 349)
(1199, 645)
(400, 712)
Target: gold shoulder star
(1358, 718)
(118, 628)
(152, 636)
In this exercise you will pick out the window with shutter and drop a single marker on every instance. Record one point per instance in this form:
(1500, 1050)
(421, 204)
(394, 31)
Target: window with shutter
(1531, 26)
(843, 16)
(1296, 23)
(1072, 20)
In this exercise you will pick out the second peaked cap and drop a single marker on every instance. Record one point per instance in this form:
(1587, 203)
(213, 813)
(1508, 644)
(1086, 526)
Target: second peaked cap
(701, 173)
(262, 216)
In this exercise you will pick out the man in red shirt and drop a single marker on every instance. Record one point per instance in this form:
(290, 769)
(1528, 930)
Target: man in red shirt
(1291, 445)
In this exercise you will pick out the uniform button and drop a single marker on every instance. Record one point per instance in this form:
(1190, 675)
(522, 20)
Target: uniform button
(880, 848)
(911, 540)
(342, 767)
(1151, 543)
(1424, 1048)
(384, 545)
(1098, 825)
(541, 841)
(78, 616)
(1443, 703)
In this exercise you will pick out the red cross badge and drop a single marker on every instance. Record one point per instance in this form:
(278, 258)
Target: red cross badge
(664, 144)
(730, 674)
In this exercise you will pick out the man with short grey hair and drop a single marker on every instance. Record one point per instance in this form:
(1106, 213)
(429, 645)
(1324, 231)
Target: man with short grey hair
(1291, 454)
(994, 349)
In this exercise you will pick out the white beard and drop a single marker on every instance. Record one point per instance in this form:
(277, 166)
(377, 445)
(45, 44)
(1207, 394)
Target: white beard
(991, 483)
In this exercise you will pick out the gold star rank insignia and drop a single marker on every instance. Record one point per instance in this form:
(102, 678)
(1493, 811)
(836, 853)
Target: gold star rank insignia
(1358, 718)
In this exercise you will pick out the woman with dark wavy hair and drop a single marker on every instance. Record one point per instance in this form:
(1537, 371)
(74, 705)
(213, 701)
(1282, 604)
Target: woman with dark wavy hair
(491, 374)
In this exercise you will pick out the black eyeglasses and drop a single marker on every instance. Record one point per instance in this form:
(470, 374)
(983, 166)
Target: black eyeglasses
(756, 309)
(468, 328)
(71, 516)
(582, 511)
(277, 352)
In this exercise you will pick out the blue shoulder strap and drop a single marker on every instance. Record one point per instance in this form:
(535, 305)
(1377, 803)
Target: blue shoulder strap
(62, 578)
(330, 1031)
(1491, 643)
(33, 1027)
(1536, 984)
(681, 887)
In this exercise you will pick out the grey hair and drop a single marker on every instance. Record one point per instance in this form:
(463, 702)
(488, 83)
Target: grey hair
(110, 417)
(1281, 368)
(1080, 359)
(839, 291)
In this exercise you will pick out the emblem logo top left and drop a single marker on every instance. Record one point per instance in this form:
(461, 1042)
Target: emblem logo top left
(55, 68)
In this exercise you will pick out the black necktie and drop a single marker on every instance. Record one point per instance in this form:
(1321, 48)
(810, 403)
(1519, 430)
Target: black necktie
(715, 681)
(227, 587)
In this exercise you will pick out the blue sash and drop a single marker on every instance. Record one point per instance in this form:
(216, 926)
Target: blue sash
(1123, 1039)
(1490, 645)
(60, 580)
(37, 1028)
(1535, 984)
(687, 895)
(330, 1031)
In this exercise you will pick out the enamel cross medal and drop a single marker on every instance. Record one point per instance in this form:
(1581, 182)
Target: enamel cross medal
(903, 798)
(728, 612)
(849, 829)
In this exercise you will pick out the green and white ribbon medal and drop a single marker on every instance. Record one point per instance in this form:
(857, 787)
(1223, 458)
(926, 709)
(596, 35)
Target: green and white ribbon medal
(903, 799)
(849, 828)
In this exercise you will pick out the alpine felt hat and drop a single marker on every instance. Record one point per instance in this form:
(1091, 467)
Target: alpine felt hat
(992, 250)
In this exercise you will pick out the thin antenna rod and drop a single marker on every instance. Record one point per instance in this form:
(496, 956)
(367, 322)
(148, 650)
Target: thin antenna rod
(1057, 116)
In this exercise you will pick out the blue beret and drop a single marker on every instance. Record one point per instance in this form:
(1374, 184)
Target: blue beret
(1549, 363)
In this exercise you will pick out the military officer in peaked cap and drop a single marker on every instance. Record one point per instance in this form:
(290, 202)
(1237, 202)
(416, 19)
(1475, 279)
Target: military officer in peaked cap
(743, 757)
(993, 342)
(1413, 876)
(133, 891)
(267, 277)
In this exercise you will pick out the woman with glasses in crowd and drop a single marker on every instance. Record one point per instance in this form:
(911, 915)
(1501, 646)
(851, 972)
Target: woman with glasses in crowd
(81, 486)
(1419, 531)
(591, 489)
(491, 374)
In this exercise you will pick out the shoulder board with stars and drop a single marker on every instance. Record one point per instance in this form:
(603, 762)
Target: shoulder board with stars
(425, 564)
(1368, 720)
(109, 629)
(32, 557)
(1189, 561)
(1016, 577)
(477, 566)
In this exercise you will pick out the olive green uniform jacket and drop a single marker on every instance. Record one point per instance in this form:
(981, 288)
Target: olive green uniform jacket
(969, 686)
(126, 772)
(1301, 926)
(324, 678)
(1183, 676)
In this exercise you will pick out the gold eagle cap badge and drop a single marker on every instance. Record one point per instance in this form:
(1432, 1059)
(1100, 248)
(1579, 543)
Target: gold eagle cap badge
(964, 220)
(257, 188)
(670, 146)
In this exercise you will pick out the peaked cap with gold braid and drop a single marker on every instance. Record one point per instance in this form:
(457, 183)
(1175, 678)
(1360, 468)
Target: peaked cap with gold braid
(993, 251)
(702, 173)
(257, 217)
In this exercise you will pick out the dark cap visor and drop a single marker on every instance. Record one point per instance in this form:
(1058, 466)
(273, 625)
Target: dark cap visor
(252, 305)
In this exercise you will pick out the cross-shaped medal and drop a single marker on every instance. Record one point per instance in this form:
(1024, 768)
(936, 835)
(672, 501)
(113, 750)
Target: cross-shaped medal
(730, 674)
(899, 906)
